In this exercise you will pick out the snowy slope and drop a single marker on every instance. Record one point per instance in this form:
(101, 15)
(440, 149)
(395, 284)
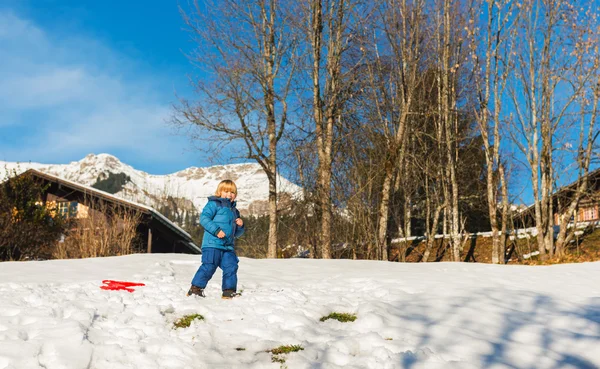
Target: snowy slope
(193, 184)
(440, 315)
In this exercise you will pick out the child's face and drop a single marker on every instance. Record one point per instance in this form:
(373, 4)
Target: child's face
(228, 195)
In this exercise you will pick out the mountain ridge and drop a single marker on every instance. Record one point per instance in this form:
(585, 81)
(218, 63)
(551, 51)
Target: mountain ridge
(189, 187)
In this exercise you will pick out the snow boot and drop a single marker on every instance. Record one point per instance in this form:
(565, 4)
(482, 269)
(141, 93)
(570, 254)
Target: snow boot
(229, 294)
(195, 290)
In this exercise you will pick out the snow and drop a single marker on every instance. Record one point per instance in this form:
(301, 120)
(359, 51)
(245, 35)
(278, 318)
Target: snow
(54, 315)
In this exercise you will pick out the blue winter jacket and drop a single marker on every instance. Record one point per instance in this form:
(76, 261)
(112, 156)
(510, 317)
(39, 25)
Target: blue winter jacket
(220, 214)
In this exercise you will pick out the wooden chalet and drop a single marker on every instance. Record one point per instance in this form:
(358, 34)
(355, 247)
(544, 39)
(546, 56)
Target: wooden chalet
(157, 233)
(587, 211)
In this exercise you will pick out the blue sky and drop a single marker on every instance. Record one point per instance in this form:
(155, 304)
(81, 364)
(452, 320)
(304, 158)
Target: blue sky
(82, 77)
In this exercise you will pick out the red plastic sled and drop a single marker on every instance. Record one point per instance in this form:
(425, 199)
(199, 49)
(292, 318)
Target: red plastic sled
(119, 285)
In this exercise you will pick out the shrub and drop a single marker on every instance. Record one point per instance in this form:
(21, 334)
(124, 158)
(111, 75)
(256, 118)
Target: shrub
(187, 320)
(106, 230)
(286, 349)
(342, 317)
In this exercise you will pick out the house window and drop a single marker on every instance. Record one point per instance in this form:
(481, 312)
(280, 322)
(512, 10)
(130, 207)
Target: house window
(590, 213)
(67, 209)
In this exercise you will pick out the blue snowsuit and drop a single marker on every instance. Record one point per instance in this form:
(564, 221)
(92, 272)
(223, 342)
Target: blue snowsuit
(219, 215)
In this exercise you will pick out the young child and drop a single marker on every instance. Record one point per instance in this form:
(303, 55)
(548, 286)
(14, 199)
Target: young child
(222, 224)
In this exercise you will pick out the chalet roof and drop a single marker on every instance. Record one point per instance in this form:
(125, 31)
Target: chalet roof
(591, 175)
(114, 199)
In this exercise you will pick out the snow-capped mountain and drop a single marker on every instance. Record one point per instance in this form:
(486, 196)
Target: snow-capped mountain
(189, 187)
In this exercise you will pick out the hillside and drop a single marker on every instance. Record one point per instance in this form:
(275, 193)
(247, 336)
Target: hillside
(54, 315)
(523, 250)
(189, 188)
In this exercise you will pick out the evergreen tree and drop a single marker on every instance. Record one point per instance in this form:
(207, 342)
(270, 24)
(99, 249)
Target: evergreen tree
(113, 184)
(28, 229)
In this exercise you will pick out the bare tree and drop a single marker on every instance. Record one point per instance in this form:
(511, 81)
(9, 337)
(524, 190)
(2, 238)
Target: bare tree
(491, 59)
(396, 54)
(448, 52)
(585, 37)
(544, 91)
(247, 52)
(328, 37)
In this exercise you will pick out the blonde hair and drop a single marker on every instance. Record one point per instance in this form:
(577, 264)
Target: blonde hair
(226, 185)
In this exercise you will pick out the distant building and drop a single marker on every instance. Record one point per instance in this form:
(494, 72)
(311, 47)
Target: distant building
(587, 211)
(74, 200)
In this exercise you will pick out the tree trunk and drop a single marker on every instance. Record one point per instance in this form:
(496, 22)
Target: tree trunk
(325, 195)
(432, 232)
(272, 247)
(382, 252)
(505, 208)
(407, 217)
(493, 82)
(447, 117)
(325, 123)
(322, 188)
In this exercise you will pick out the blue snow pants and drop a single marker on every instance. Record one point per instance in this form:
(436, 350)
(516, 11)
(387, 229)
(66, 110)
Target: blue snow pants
(213, 258)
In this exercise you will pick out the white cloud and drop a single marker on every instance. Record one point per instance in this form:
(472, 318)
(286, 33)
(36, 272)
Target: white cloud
(78, 92)
(43, 89)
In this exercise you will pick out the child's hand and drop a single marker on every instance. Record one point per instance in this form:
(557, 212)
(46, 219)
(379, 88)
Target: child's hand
(221, 234)
(239, 222)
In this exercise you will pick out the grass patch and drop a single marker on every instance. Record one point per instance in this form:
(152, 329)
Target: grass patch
(286, 349)
(240, 349)
(279, 353)
(278, 359)
(342, 317)
(187, 320)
